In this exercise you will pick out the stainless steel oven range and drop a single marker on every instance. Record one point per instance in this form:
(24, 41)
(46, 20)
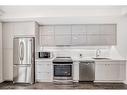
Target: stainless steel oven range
(62, 69)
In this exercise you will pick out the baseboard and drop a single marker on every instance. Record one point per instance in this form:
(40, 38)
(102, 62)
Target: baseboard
(108, 81)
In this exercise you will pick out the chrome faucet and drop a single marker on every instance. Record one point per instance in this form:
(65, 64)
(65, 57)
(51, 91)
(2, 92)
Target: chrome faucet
(98, 52)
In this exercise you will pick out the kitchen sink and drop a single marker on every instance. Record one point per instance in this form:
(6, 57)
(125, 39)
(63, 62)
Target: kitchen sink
(100, 58)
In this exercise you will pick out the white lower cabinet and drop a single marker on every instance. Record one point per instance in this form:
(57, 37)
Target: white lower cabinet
(76, 71)
(110, 70)
(44, 71)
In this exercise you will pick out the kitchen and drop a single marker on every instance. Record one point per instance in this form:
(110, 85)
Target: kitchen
(78, 51)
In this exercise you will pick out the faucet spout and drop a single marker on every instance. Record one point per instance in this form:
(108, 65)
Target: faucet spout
(98, 52)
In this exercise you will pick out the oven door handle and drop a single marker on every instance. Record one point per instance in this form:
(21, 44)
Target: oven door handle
(62, 64)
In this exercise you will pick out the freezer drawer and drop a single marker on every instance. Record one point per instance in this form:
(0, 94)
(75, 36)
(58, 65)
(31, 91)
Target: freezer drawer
(23, 74)
(86, 71)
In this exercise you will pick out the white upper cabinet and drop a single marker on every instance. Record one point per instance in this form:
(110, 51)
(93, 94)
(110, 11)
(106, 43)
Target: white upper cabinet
(62, 34)
(79, 40)
(46, 30)
(93, 29)
(47, 40)
(63, 40)
(93, 40)
(24, 28)
(78, 35)
(46, 35)
(62, 29)
(101, 34)
(109, 29)
(78, 29)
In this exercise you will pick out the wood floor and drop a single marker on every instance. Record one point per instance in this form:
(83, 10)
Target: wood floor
(54, 86)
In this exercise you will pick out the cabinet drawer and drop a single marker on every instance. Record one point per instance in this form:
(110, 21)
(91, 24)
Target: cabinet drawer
(44, 77)
(44, 68)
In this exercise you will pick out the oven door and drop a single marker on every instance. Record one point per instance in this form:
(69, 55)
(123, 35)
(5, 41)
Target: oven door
(63, 71)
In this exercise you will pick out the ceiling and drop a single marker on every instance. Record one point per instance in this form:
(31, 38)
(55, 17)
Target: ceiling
(62, 14)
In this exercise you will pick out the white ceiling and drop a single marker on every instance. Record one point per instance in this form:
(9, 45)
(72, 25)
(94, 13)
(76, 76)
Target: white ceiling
(62, 14)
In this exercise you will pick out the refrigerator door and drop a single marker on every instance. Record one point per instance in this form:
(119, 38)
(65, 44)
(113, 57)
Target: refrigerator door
(23, 74)
(23, 51)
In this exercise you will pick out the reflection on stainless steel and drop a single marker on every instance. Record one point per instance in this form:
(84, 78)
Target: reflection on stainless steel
(86, 71)
(23, 60)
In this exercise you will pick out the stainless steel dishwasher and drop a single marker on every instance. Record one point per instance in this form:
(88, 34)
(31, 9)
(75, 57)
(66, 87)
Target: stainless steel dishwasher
(86, 71)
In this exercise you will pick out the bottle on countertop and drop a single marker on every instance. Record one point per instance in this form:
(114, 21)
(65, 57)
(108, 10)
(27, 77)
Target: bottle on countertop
(80, 55)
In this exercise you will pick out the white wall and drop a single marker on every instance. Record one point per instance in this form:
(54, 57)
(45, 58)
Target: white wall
(1, 78)
(120, 50)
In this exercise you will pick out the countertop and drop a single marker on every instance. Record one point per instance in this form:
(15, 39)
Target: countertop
(84, 59)
(44, 59)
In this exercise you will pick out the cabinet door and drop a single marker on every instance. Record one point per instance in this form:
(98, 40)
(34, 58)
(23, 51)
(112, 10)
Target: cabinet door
(24, 28)
(44, 71)
(8, 30)
(76, 71)
(63, 40)
(78, 29)
(47, 40)
(46, 30)
(109, 71)
(93, 40)
(93, 29)
(107, 40)
(62, 29)
(114, 71)
(44, 77)
(44, 66)
(108, 29)
(8, 64)
(100, 72)
(79, 40)
(122, 75)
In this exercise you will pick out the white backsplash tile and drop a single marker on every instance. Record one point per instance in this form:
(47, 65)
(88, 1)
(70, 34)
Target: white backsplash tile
(76, 51)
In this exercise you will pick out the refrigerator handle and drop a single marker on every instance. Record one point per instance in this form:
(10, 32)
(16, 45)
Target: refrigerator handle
(21, 51)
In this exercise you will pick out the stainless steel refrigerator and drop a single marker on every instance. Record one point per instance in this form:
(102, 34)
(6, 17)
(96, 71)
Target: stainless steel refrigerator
(24, 60)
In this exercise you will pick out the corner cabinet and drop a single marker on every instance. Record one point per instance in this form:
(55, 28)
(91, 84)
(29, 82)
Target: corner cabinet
(43, 71)
(110, 70)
